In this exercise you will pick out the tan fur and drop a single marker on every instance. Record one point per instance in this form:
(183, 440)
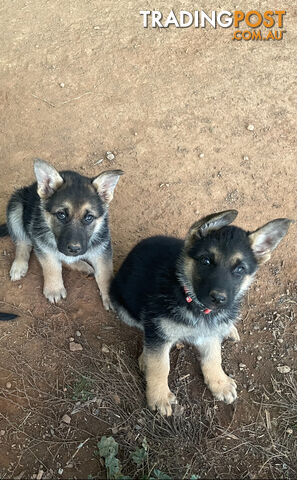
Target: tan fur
(233, 334)
(105, 184)
(80, 266)
(67, 205)
(141, 363)
(235, 258)
(156, 366)
(221, 386)
(83, 209)
(264, 258)
(216, 253)
(246, 283)
(104, 274)
(49, 219)
(97, 224)
(275, 231)
(56, 182)
(19, 267)
(53, 287)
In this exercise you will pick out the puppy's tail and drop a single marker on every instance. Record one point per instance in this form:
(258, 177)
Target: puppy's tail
(7, 316)
(3, 230)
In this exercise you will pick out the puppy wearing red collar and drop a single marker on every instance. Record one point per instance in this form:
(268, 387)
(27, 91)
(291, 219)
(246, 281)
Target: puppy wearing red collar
(176, 290)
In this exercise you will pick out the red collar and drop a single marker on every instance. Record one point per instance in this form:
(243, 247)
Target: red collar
(189, 300)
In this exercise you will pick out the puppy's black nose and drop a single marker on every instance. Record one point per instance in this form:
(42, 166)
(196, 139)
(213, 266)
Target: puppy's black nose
(74, 248)
(218, 297)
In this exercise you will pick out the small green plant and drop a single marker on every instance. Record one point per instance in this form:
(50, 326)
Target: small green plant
(108, 449)
(139, 456)
(158, 475)
(81, 390)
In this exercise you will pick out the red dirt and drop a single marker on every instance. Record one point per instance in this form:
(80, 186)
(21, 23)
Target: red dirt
(158, 100)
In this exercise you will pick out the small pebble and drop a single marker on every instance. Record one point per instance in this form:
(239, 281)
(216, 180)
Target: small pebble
(178, 410)
(2, 432)
(110, 156)
(245, 158)
(201, 155)
(280, 340)
(250, 127)
(105, 350)
(60, 471)
(66, 419)
(40, 475)
(75, 347)
(8, 385)
(242, 365)
(289, 431)
(283, 369)
(78, 333)
(62, 85)
(117, 399)
(96, 27)
(259, 358)
(71, 339)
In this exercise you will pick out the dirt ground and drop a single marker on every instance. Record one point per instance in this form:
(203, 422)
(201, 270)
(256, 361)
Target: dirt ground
(82, 78)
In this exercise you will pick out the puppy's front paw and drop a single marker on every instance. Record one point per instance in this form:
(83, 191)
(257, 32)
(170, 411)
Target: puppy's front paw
(223, 388)
(161, 401)
(233, 334)
(106, 302)
(18, 270)
(56, 294)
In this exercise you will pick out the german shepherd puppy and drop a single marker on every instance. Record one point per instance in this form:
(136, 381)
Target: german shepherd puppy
(191, 290)
(64, 216)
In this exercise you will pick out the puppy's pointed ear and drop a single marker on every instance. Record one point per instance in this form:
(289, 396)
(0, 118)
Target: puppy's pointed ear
(106, 182)
(264, 240)
(207, 224)
(48, 179)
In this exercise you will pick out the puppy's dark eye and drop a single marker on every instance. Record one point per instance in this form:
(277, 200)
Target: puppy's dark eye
(88, 218)
(61, 215)
(205, 260)
(239, 270)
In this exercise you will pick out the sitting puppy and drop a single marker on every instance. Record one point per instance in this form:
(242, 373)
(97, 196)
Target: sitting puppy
(191, 290)
(64, 216)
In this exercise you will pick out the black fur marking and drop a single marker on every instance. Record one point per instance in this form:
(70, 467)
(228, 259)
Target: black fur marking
(3, 230)
(150, 283)
(7, 316)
